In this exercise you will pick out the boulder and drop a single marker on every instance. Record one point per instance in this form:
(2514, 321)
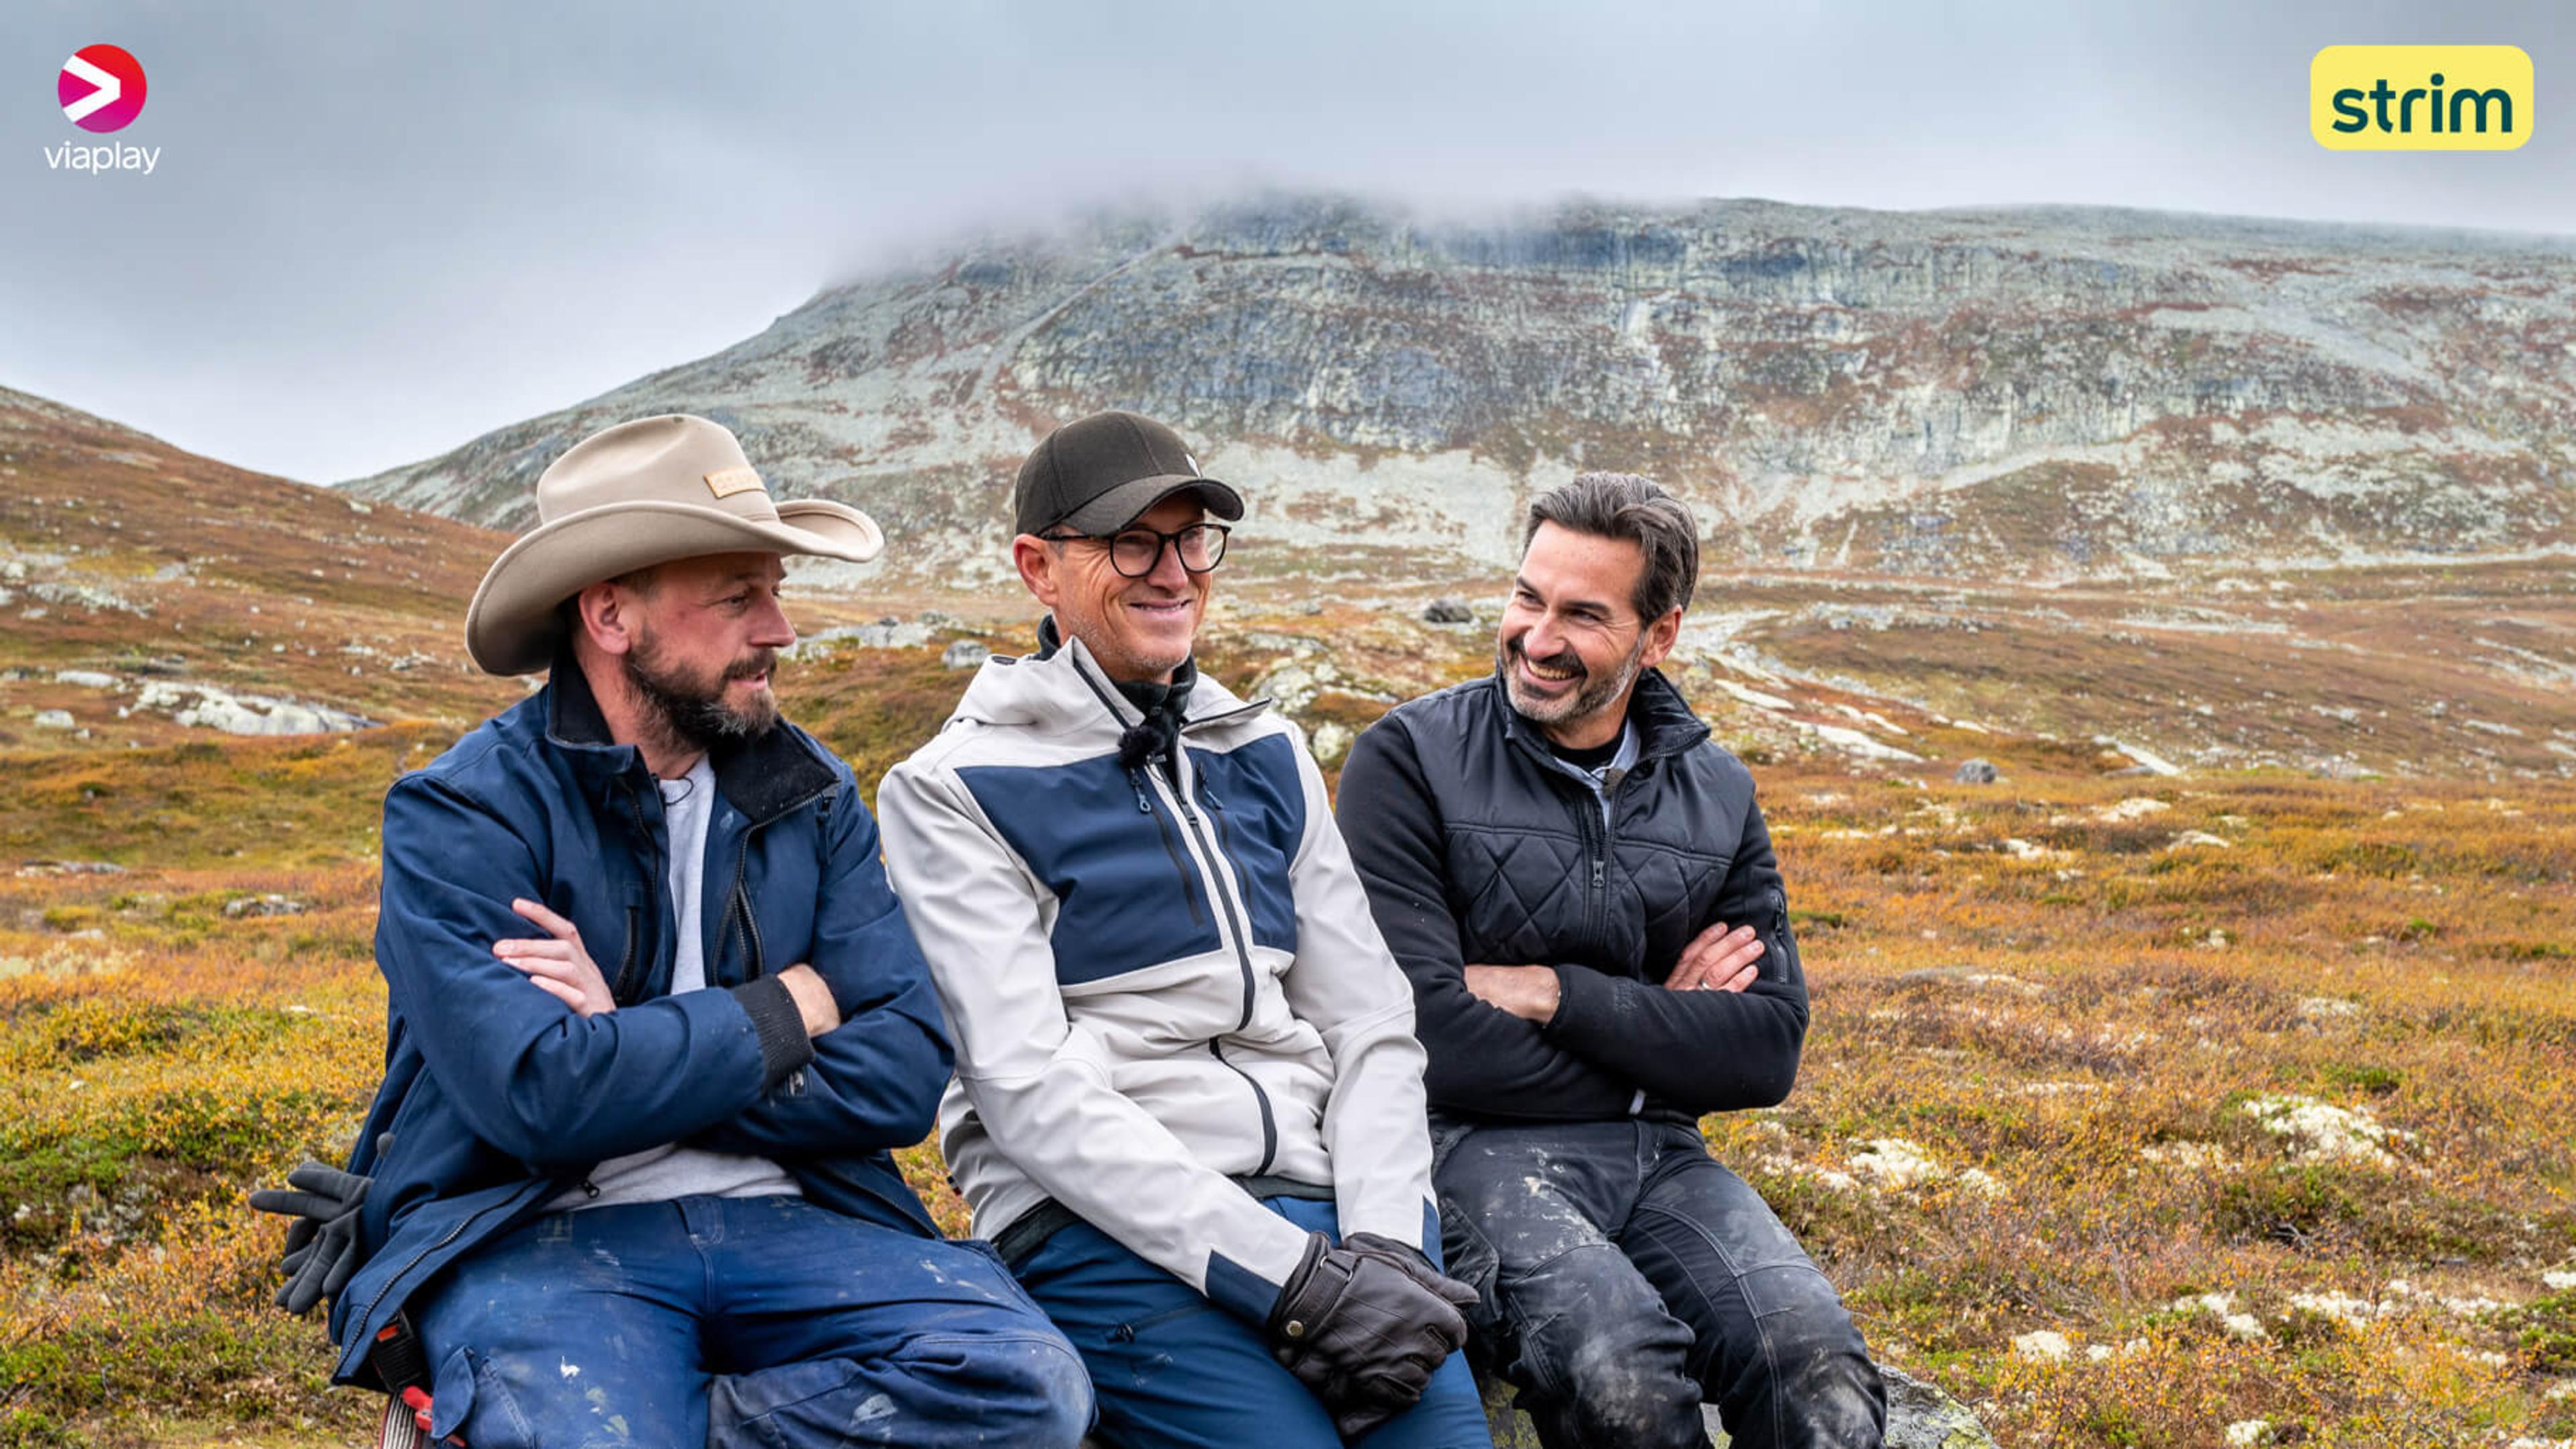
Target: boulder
(1448, 611)
(1978, 772)
(965, 654)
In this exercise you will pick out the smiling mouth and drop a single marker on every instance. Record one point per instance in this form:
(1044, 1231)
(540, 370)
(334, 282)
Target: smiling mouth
(1546, 674)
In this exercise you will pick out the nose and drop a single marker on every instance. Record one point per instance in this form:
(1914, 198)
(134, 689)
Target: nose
(1542, 640)
(770, 629)
(1167, 572)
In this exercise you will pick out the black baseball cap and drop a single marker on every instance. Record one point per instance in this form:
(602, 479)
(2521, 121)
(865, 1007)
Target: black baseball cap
(1101, 473)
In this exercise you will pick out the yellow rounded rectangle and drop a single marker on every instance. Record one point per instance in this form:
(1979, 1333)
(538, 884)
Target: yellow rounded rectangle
(2420, 97)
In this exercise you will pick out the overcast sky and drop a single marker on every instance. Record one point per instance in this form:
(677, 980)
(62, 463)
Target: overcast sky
(368, 239)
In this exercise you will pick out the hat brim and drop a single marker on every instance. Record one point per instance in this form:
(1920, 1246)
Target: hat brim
(1129, 501)
(510, 628)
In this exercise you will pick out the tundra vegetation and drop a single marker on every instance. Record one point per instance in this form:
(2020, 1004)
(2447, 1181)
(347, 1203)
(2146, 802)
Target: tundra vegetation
(2137, 1108)
(2217, 1107)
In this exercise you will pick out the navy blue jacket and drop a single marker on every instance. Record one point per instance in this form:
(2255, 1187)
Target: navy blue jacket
(497, 1096)
(1476, 848)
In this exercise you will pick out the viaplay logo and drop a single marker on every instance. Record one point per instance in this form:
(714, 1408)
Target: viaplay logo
(101, 89)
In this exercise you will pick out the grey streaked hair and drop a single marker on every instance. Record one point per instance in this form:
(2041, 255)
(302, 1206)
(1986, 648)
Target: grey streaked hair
(1624, 505)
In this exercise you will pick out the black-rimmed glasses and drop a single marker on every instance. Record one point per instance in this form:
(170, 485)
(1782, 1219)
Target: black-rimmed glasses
(1135, 551)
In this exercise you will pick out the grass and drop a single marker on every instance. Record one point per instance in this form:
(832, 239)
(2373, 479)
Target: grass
(2043, 989)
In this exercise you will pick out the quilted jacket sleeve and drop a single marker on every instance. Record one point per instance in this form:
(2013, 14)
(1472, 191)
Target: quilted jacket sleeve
(1703, 1051)
(1483, 1060)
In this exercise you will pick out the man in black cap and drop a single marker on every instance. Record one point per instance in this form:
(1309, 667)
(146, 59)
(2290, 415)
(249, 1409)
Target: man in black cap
(1189, 1103)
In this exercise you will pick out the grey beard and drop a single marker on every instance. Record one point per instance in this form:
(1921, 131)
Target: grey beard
(689, 716)
(1594, 695)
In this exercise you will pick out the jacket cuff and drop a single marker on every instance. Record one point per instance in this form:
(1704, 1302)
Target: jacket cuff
(779, 1025)
(1586, 1002)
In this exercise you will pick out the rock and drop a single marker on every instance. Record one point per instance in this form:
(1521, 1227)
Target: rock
(207, 707)
(55, 719)
(70, 867)
(264, 905)
(86, 678)
(883, 634)
(1448, 611)
(1332, 740)
(1977, 772)
(965, 654)
(1919, 1416)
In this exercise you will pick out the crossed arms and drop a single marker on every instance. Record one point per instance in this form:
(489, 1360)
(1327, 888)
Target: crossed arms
(1566, 1041)
(841, 1054)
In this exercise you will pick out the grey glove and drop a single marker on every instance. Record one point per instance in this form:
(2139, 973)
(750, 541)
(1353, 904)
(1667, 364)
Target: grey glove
(1364, 1325)
(322, 1242)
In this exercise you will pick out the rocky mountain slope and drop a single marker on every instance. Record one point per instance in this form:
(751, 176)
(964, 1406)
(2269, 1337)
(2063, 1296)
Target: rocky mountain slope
(2029, 395)
(148, 594)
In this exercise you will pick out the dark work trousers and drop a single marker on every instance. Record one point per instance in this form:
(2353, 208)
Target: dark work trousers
(1627, 1276)
(742, 1323)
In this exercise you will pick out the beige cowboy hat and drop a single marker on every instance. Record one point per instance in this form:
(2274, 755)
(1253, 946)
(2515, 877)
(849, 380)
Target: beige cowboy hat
(632, 496)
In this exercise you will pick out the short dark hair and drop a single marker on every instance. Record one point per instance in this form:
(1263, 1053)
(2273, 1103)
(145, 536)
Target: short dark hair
(1624, 505)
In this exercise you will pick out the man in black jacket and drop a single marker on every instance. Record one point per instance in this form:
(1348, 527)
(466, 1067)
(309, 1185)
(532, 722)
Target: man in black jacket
(1580, 886)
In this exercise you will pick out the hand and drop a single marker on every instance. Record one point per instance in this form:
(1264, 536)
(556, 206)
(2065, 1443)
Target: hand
(322, 1242)
(1363, 1326)
(560, 967)
(1528, 992)
(813, 998)
(1717, 959)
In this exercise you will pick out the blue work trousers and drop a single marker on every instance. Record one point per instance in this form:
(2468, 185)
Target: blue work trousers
(749, 1321)
(1174, 1371)
(1627, 1276)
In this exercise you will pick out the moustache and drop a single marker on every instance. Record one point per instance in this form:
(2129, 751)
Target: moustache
(763, 662)
(1563, 662)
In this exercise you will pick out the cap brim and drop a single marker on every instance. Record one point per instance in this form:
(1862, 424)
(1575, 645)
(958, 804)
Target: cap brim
(1129, 501)
(510, 627)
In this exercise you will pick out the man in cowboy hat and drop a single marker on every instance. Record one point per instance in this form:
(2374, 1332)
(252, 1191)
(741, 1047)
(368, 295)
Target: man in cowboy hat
(1189, 1100)
(654, 1021)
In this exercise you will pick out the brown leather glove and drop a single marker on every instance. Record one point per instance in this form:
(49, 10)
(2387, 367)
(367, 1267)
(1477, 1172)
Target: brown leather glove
(1364, 1325)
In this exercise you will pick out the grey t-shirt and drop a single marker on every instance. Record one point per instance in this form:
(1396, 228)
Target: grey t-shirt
(658, 1174)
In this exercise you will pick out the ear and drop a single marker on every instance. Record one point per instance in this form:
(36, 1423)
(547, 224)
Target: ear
(1037, 561)
(609, 616)
(1660, 637)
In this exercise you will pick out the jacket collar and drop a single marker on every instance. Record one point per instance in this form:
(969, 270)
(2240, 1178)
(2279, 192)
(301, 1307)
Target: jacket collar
(1062, 688)
(1664, 722)
(763, 778)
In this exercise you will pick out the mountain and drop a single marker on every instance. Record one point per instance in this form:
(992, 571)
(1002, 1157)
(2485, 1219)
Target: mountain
(2033, 395)
(149, 595)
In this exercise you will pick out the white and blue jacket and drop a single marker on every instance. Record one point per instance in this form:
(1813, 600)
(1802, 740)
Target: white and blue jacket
(1155, 988)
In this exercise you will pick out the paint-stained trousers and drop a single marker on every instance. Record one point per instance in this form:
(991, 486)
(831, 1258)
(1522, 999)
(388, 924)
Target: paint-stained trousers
(756, 1321)
(1627, 1276)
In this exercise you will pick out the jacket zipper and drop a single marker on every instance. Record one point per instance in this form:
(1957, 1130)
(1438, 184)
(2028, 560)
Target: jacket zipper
(451, 1235)
(1190, 886)
(1260, 1098)
(1215, 867)
(626, 965)
(1178, 793)
(635, 807)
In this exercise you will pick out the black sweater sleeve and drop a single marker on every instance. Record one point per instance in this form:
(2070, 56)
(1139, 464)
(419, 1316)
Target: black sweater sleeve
(1483, 1060)
(1702, 1051)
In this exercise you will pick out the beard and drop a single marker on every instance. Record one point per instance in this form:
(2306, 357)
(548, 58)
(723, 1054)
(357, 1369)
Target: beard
(691, 709)
(1592, 693)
